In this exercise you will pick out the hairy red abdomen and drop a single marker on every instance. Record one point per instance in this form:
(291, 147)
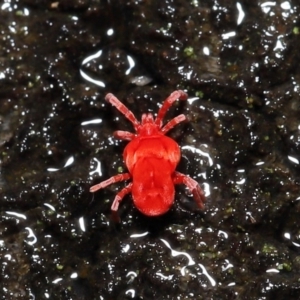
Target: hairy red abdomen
(152, 161)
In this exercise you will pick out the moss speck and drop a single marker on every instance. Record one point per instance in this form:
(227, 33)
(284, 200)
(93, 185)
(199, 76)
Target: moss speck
(296, 30)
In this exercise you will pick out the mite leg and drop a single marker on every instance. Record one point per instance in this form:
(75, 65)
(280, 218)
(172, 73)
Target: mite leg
(113, 100)
(115, 206)
(173, 123)
(124, 135)
(111, 180)
(181, 95)
(119, 197)
(192, 185)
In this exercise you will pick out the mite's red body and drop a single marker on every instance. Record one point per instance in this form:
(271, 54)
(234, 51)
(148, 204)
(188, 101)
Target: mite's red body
(151, 159)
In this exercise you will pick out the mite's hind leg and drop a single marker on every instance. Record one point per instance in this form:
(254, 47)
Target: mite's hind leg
(119, 197)
(193, 187)
(111, 180)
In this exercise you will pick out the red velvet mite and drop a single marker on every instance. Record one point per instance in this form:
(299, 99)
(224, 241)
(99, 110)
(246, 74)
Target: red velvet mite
(151, 158)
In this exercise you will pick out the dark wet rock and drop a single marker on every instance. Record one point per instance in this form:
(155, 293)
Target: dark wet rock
(241, 142)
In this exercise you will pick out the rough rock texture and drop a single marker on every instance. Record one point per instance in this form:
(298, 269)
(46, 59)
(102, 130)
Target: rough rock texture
(240, 65)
